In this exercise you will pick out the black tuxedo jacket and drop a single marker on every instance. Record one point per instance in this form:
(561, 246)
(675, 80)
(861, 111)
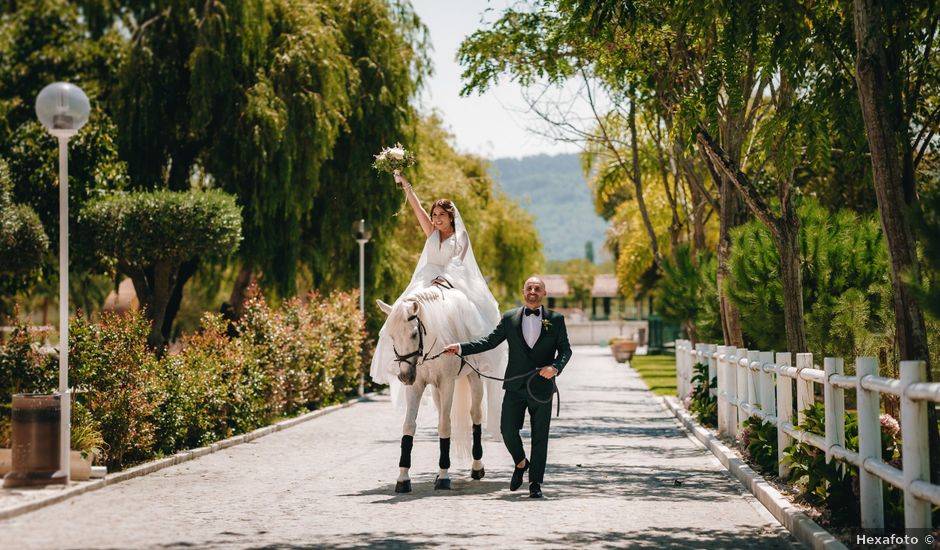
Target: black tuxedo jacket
(551, 348)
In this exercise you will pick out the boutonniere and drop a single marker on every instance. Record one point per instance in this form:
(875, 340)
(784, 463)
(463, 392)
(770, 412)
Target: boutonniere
(546, 324)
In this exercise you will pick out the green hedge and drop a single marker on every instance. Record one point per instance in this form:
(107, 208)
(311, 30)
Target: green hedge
(288, 360)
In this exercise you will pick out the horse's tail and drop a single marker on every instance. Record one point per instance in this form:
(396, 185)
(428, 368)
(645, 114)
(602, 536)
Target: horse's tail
(461, 426)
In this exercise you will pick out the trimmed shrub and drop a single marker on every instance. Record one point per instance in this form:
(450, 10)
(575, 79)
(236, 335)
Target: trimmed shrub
(148, 235)
(23, 242)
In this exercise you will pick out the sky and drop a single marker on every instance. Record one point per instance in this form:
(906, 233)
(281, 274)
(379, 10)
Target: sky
(491, 125)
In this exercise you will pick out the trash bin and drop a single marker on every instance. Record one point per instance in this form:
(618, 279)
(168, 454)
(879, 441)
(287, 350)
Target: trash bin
(36, 441)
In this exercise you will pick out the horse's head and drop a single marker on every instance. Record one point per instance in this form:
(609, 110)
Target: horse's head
(407, 332)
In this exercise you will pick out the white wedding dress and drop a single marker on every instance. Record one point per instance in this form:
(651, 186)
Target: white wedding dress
(452, 259)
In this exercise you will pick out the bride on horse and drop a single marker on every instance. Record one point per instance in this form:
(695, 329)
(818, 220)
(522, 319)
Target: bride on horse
(447, 264)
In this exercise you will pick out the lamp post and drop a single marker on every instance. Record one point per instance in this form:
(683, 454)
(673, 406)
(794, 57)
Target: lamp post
(361, 231)
(63, 109)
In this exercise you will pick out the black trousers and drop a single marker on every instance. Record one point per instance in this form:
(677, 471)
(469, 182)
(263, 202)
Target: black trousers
(515, 404)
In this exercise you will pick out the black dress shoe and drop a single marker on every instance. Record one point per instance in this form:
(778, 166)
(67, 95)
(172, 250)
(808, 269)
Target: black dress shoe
(535, 490)
(516, 480)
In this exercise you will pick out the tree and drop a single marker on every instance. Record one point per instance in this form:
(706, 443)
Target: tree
(896, 72)
(23, 243)
(42, 42)
(280, 103)
(844, 276)
(632, 56)
(147, 236)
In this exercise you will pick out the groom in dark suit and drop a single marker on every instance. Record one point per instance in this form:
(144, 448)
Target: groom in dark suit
(537, 341)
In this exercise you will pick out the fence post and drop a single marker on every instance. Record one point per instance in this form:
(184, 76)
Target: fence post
(804, 388)
(699, 358)
(753, 378)
(869, 446)
(784, 412)
(710, 350)
(766, 379)
(721, 388)
(742, 385)
(915, 452)
(834, 401)
(680, 348)
(731, 389)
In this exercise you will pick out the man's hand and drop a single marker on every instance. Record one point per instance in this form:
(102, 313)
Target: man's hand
(452, 349)
(548, 372)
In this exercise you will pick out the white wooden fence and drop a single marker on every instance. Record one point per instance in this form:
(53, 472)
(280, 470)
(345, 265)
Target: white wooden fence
(755, 383)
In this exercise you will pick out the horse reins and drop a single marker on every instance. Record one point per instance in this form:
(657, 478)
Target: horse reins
(529, 376)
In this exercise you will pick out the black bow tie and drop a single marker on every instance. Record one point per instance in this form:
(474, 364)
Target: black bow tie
(532, 311)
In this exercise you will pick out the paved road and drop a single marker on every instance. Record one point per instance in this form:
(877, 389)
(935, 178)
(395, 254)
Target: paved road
(614, 456)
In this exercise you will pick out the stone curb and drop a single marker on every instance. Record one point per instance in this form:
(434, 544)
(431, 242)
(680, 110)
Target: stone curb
(799, 524)
(82, 487)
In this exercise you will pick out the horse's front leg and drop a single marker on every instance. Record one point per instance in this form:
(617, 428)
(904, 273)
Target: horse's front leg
(476, 415)
(413, 395)
(446, 391)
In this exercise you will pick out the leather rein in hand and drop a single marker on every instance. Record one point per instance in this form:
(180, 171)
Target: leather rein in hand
(529, 376)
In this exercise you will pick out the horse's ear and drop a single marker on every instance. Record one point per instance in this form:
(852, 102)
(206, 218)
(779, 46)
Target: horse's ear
(384, 307)
(414, 308)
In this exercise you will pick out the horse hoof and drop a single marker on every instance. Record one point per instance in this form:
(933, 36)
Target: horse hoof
(403, 486)
(441, 483)
(477, 474)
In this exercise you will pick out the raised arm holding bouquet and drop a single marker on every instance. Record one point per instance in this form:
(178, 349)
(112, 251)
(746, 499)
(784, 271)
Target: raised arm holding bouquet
(393, 159)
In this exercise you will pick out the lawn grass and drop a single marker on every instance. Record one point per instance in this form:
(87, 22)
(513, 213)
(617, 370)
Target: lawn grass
(658, 371)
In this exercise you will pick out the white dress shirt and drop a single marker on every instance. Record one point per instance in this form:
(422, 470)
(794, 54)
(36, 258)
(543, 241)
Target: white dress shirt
(531, 327)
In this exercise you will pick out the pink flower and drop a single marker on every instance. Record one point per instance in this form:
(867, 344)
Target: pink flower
(890, 425)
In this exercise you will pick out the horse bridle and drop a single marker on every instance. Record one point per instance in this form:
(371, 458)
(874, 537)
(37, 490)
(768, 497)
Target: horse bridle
(416, 353)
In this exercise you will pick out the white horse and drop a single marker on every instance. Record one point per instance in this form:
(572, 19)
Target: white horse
(420, 325)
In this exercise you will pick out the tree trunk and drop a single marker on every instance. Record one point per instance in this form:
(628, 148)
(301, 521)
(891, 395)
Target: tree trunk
(164, 278)
(788, 247)
(238, 296)
(882, 112)
(186, 271)
(729, 215)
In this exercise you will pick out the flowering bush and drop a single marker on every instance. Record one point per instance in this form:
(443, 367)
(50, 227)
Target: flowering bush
(132, 406)
(394, 158)
(211, 390)
(116, 377)
(309, 351)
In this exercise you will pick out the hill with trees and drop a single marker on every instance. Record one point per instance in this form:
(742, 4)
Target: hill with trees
(553, 189)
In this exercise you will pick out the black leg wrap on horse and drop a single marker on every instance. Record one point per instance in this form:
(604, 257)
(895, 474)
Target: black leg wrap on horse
(477, 443)
(406, 443)
(445, 453)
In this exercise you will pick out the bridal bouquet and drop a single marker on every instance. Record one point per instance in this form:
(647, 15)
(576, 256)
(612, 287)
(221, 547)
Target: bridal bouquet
(392, 159)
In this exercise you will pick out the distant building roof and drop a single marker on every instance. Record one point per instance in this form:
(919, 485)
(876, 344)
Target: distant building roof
(555, 285)
(605, 286)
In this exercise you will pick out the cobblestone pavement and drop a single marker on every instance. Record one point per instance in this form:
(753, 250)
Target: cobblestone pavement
(614, 458)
